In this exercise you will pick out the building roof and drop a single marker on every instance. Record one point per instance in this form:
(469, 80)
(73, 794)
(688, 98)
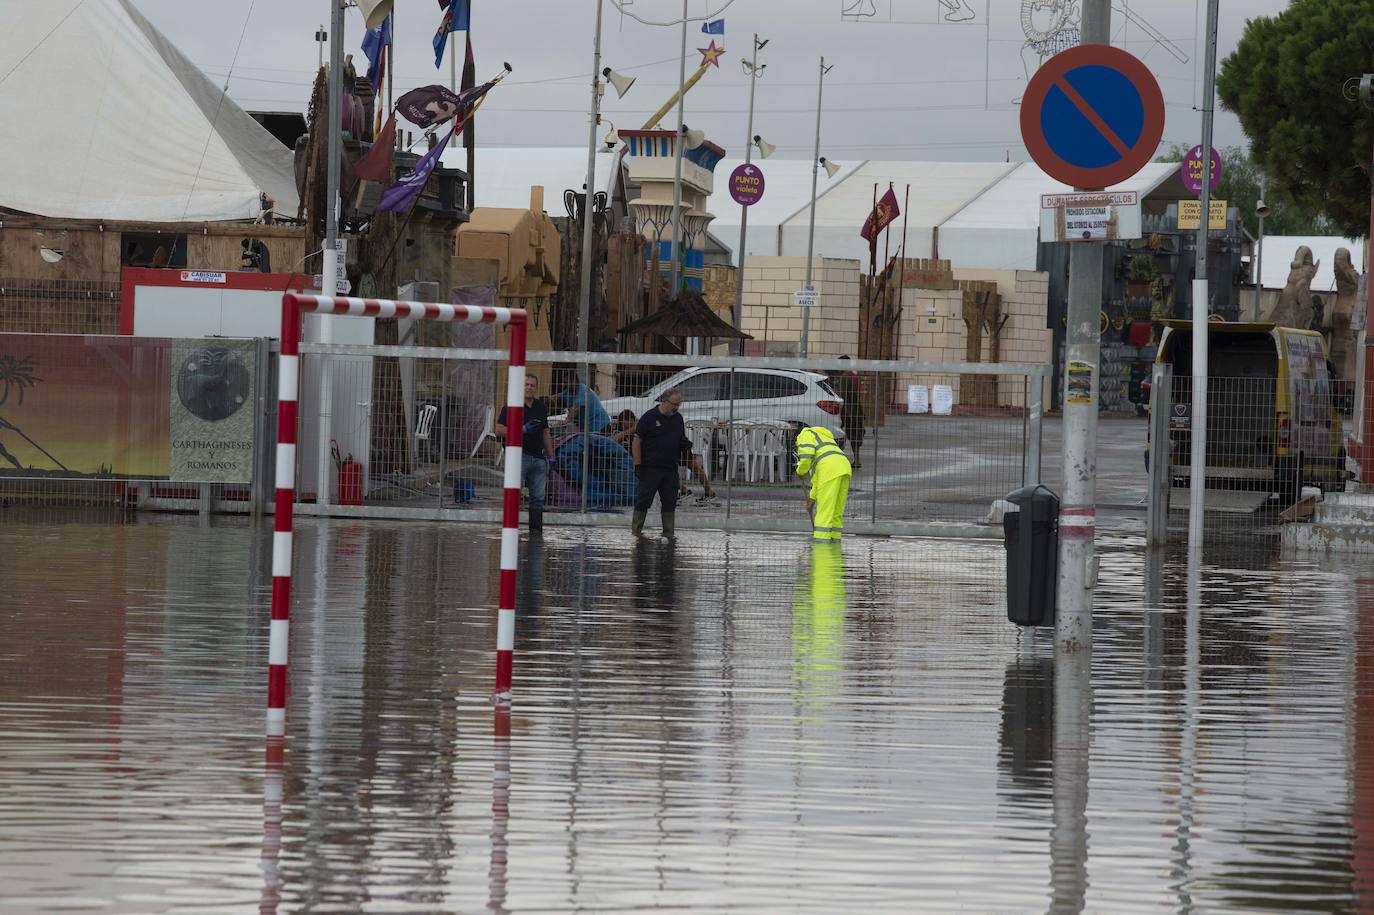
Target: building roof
(686, 316)
(145, 135)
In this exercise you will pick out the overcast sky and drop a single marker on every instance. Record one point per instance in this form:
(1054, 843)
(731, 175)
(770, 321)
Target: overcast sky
(905, 85)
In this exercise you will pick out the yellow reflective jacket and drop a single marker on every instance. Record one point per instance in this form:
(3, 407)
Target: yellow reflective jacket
(817, 450)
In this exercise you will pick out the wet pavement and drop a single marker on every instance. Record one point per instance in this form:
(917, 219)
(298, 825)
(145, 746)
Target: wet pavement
(732, 723)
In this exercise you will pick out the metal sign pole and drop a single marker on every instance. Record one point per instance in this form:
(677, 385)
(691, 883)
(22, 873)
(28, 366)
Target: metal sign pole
(1197, 478)
(1082, 353)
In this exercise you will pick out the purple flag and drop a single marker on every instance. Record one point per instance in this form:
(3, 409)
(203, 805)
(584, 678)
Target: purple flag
(401, 196)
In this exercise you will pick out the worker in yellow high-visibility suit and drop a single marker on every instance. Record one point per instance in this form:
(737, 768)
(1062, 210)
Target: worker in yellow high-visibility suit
(819, 457)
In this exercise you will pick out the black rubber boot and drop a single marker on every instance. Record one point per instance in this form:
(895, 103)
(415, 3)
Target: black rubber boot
(536, 521)
(670, 525)
(637, 524)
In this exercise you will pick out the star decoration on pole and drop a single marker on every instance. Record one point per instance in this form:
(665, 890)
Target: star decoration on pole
(711, 54)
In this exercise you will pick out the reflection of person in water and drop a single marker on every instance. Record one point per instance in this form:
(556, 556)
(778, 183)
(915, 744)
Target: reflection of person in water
(818, 622)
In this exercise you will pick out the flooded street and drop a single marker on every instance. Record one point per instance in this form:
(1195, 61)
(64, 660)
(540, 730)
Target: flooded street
(729, 723)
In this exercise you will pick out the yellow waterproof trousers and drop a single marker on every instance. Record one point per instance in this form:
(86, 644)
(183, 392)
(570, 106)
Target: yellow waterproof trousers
(830, 492)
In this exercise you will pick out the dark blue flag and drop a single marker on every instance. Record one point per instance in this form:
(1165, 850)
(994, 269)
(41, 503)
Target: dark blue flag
(714, 27)
(457, 18)
(374, 41)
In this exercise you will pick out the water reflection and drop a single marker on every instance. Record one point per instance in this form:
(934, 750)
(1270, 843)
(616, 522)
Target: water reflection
(726, 722)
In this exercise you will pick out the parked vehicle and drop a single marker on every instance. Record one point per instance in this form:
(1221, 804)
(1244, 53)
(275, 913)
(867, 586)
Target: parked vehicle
(1272, 411)
(761, 395)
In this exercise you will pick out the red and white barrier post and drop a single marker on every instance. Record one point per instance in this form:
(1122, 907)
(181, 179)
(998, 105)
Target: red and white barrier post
(288, 386)
(510, 511)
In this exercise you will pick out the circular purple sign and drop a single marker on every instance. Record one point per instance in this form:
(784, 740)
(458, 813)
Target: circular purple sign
(1191, 171)
(746, 184)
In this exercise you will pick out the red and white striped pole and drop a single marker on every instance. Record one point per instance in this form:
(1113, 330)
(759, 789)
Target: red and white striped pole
(510, 513)
(288, 386)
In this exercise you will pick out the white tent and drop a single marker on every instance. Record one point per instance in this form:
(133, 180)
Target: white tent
(506, 174)
(105, 119)
(937, 191)
(1000, 228)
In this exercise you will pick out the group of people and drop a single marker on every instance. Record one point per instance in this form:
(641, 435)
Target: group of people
(659, 445)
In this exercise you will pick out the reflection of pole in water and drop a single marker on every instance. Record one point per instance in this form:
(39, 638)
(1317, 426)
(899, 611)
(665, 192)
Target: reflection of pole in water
(1182, 869)
(1072, 735)
(1362, 767)
(271, 826)
(500, 809)
(1153, 666)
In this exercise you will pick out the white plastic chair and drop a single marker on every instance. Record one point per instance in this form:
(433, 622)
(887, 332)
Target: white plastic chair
(488, 432)
(424, 423)
(741, 443)
(769, 448)
(699, 433)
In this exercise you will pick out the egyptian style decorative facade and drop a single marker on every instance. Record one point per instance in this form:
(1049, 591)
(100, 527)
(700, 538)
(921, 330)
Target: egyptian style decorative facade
(650, 156)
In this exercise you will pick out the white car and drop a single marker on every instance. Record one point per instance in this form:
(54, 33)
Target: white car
(761, 395)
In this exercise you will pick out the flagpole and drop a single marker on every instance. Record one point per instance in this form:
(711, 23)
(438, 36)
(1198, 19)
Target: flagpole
(453, 63)
(390, 63)
(901, 261)
(677, 147)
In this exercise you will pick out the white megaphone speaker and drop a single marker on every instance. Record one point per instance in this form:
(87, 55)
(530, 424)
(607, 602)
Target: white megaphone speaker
(621, 82)
(830, 167)
(766, 149)
(692, 138)
(374, 11)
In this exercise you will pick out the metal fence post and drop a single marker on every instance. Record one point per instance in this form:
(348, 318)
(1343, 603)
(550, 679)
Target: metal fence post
(261, 460)
(873, 480)
(1161, 455)
(1035, 416)
(729, 448)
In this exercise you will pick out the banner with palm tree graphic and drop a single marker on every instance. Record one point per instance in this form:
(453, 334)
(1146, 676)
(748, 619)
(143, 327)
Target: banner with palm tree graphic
(79, 406)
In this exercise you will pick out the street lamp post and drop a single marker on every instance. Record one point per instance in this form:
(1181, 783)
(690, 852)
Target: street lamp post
(677, 167)
(585, 299)
(811, 229)
(755, 71)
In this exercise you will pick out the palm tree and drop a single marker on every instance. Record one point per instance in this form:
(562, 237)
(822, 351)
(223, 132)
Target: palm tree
(15, 375)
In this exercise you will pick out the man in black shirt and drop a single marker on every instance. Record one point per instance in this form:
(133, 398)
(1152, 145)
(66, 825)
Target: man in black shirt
(536, 451)
(660, 440)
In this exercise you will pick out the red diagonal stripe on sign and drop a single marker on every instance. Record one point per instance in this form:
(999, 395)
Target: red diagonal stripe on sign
(1093, 117)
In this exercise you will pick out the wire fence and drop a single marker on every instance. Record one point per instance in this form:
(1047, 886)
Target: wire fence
(419, 432)
(121, 423)
(1269, 442)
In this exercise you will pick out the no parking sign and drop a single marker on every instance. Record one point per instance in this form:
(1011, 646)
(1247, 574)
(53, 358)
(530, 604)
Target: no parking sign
(1092, 116)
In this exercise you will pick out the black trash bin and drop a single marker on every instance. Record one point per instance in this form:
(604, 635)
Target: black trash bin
(1031, 533)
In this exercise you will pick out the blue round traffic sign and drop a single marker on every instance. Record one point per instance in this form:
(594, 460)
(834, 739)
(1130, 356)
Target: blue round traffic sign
(1092, 116)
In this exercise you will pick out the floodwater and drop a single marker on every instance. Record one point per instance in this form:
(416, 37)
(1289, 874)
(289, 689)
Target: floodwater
(732, 723)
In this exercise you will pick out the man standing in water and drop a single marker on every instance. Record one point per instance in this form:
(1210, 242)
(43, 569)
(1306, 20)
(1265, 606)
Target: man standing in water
(536, 452)
(660, 440)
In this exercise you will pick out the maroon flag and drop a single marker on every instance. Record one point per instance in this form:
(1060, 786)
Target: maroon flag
(883, 214)
(376, 164)
(431, 105)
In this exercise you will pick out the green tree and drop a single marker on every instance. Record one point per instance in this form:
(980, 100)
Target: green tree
(1284, 82)
(1240, 184)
